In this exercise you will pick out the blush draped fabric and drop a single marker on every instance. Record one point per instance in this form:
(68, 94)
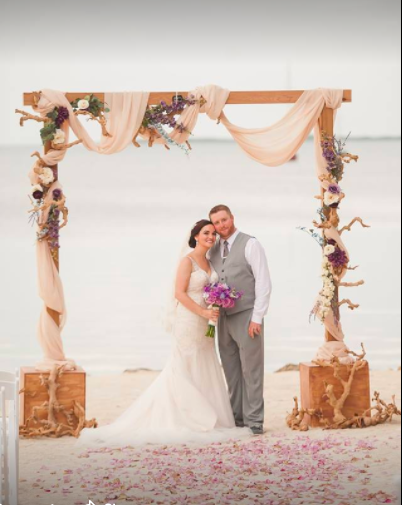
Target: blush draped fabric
(271, 146)
(127, 113)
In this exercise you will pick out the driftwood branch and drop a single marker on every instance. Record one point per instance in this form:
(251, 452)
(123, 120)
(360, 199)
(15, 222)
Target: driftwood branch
(30, 117)
(327, 177)
(297, 421)
(352, 306)
(380, 413)
(348, 158)
(350, 284)
(41, 163)
(349, 226)
(101, 120)
(64, 147)
(323, 226)
(332, 221)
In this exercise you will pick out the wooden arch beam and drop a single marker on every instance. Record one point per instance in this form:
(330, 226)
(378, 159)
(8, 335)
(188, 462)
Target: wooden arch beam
(235, 98)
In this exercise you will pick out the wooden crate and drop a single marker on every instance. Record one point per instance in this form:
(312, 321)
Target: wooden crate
(72, 387)
(313, 390)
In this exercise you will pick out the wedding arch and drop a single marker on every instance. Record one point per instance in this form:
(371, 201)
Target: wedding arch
(168, 119)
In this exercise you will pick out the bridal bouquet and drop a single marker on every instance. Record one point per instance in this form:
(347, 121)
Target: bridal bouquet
(220, 296)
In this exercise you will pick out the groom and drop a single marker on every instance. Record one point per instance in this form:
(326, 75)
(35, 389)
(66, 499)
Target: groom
(241, 262)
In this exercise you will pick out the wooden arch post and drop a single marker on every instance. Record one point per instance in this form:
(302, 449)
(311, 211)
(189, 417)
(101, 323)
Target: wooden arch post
(56, 257)
(327, 124)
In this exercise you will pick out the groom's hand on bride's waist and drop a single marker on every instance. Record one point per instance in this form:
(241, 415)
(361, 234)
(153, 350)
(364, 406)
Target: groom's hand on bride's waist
(255, 330)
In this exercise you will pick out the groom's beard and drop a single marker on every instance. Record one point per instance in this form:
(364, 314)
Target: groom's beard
(229, 234)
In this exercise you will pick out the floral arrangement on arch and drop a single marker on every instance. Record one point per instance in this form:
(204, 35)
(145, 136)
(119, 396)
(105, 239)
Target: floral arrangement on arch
(46, 197)
(336, 261)
(163, 119)
(89, 106)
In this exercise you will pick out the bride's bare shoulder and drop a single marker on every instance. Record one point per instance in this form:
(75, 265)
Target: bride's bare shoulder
(186, 263)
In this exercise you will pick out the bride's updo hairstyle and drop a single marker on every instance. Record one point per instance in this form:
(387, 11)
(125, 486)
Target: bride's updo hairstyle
(197, 230)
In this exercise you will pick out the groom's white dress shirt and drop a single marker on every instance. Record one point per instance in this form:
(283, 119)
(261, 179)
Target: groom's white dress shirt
(257, 259)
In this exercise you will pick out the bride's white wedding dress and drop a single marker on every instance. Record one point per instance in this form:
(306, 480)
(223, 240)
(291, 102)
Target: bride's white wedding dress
(188, 402)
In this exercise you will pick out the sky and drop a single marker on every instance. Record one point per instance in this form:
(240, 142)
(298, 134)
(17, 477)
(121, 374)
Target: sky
(161, 46)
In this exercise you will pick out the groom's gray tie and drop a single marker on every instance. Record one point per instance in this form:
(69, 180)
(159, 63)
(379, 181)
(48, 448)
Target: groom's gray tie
(225, 250)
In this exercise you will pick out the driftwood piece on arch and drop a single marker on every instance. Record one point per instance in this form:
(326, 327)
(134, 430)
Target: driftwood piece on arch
(41, 163)
(101, 120)
(351, 306)
(297, 421)
(350, 284)
(64, 147)
(332, 221)
(31, 117)
(380, 413)
(348, 158)
(349, 226)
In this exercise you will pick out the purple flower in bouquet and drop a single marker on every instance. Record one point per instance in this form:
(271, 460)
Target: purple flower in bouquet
(339, 258)
(63, 115)
(220, 296)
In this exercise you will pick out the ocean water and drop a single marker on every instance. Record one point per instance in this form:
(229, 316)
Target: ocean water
(129, 213)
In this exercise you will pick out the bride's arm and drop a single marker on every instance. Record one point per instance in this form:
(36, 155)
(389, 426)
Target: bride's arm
(182, 284)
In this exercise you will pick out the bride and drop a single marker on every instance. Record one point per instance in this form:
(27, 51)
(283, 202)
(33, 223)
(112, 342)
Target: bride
(189, 402)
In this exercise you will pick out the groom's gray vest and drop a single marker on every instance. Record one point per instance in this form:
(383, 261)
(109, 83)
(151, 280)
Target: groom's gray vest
(236, 272)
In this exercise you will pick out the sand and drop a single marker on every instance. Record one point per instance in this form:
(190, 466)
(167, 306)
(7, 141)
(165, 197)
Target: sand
(52, 471)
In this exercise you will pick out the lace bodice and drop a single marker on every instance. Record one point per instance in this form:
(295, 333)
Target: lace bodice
(190, 329)
(200, 279)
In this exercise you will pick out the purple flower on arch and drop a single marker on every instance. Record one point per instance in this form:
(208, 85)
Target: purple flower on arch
(57, 194)
(38, 195)
(335, 189)
(339, 258)
(63, 115)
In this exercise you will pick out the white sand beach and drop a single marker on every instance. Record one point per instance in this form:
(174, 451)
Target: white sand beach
(360, 466)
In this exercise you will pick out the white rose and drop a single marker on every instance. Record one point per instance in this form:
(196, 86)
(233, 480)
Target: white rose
(329, 293)
(59, 137)
(83, 104)
(35, 188)
(47, 177)
(331, 199)
(329, 249)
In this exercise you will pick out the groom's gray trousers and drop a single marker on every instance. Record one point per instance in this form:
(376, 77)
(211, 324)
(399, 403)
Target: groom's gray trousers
(243, 363)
